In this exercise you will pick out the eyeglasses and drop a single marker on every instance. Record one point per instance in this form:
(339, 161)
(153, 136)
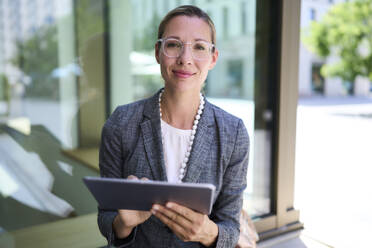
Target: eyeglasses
(173, 48)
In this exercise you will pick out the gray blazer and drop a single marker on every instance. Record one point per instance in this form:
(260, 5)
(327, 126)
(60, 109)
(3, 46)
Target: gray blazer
(131, 145)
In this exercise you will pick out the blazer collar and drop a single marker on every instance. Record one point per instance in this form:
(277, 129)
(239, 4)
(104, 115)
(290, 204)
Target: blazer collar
(151, 130)
(151, 108)
(201, 145)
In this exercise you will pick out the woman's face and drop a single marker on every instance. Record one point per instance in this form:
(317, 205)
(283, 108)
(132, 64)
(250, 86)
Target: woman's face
(185, 73)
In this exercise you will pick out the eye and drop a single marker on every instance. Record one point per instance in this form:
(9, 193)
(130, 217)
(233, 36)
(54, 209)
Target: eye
(200, 46)
(172, 44)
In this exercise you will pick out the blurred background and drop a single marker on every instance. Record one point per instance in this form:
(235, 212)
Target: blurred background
(334, 120)
(298, 73)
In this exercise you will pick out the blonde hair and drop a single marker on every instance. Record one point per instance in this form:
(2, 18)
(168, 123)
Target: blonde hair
(191, 11)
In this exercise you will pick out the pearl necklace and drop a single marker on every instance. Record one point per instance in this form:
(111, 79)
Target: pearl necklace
(182, 171)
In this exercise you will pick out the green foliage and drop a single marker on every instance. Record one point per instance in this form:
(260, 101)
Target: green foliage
(37, 57)
(345, 31)
(146, 40)
(4, 88)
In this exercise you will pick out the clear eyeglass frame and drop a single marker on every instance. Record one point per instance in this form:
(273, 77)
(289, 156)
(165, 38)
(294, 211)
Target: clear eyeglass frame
(198, 56)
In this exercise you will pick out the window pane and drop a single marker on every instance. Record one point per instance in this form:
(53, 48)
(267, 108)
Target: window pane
(43, 93)
(60, 77)
(232, 84)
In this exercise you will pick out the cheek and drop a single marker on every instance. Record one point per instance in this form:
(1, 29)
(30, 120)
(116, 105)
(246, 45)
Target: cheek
(163, 71)
(204, 69)
(163, 67)
(165, 64)
(203, 73)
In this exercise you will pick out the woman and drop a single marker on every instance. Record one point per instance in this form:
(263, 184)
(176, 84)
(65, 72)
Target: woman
(177, 136)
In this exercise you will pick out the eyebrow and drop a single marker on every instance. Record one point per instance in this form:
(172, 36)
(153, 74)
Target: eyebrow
(178, 38)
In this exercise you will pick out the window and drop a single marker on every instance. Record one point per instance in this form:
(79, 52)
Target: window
(225, 21)
(230, 85)
(312, 14)
(244, 18)
(70, 75)
(166, 4)
(39, 183)
(317, 80)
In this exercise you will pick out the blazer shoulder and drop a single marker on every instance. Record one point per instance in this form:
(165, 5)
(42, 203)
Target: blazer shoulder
(231, 125)
(228, 118)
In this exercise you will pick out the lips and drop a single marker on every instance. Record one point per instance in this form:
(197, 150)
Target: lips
(182, 73)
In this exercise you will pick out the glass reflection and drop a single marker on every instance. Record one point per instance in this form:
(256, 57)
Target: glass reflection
(61, 76)
(231, 85)
(38, 108)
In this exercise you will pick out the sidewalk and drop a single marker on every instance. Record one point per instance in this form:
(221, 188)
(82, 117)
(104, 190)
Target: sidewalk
(333, 170)
(292, 240)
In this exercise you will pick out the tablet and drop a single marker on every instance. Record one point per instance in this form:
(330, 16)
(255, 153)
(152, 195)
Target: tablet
(116, 193)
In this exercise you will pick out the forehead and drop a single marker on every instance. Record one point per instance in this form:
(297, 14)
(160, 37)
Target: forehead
(186, 27)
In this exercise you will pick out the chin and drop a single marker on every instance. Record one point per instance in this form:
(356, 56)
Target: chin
(183, 86)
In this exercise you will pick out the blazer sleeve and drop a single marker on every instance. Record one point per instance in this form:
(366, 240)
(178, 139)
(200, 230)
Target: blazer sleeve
(228, 205)
(110, 163)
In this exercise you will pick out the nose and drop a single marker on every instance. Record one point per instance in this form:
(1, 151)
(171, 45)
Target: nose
(186, 55)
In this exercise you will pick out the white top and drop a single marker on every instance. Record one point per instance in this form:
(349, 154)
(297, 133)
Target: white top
(175, 142)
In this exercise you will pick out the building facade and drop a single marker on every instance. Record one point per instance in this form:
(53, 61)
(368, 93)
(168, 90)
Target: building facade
(311, 82)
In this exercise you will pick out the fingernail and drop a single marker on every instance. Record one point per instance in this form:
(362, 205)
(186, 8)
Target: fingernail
(155, 207)
(169, 205)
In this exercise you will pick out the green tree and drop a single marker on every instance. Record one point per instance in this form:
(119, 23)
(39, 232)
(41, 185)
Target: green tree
(37, 57)
(345, 32)
(4, 88)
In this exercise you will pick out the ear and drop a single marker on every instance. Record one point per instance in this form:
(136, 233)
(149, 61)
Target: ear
(214, 59)
(157, 52)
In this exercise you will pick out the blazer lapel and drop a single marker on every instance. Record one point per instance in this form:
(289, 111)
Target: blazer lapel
(201, 145)
(152, 138)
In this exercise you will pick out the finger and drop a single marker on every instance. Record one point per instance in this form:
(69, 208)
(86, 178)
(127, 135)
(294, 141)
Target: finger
(131, 177)
(175, 227)
(145, 179)
(173, 216)
(187, 213)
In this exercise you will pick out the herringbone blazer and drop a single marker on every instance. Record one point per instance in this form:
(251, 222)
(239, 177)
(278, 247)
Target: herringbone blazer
(131, 145)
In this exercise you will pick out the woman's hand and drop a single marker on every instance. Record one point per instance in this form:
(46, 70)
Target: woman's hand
(126, 220)
(187, 224)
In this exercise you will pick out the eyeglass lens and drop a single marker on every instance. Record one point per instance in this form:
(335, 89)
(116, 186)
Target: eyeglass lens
(199, 49)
